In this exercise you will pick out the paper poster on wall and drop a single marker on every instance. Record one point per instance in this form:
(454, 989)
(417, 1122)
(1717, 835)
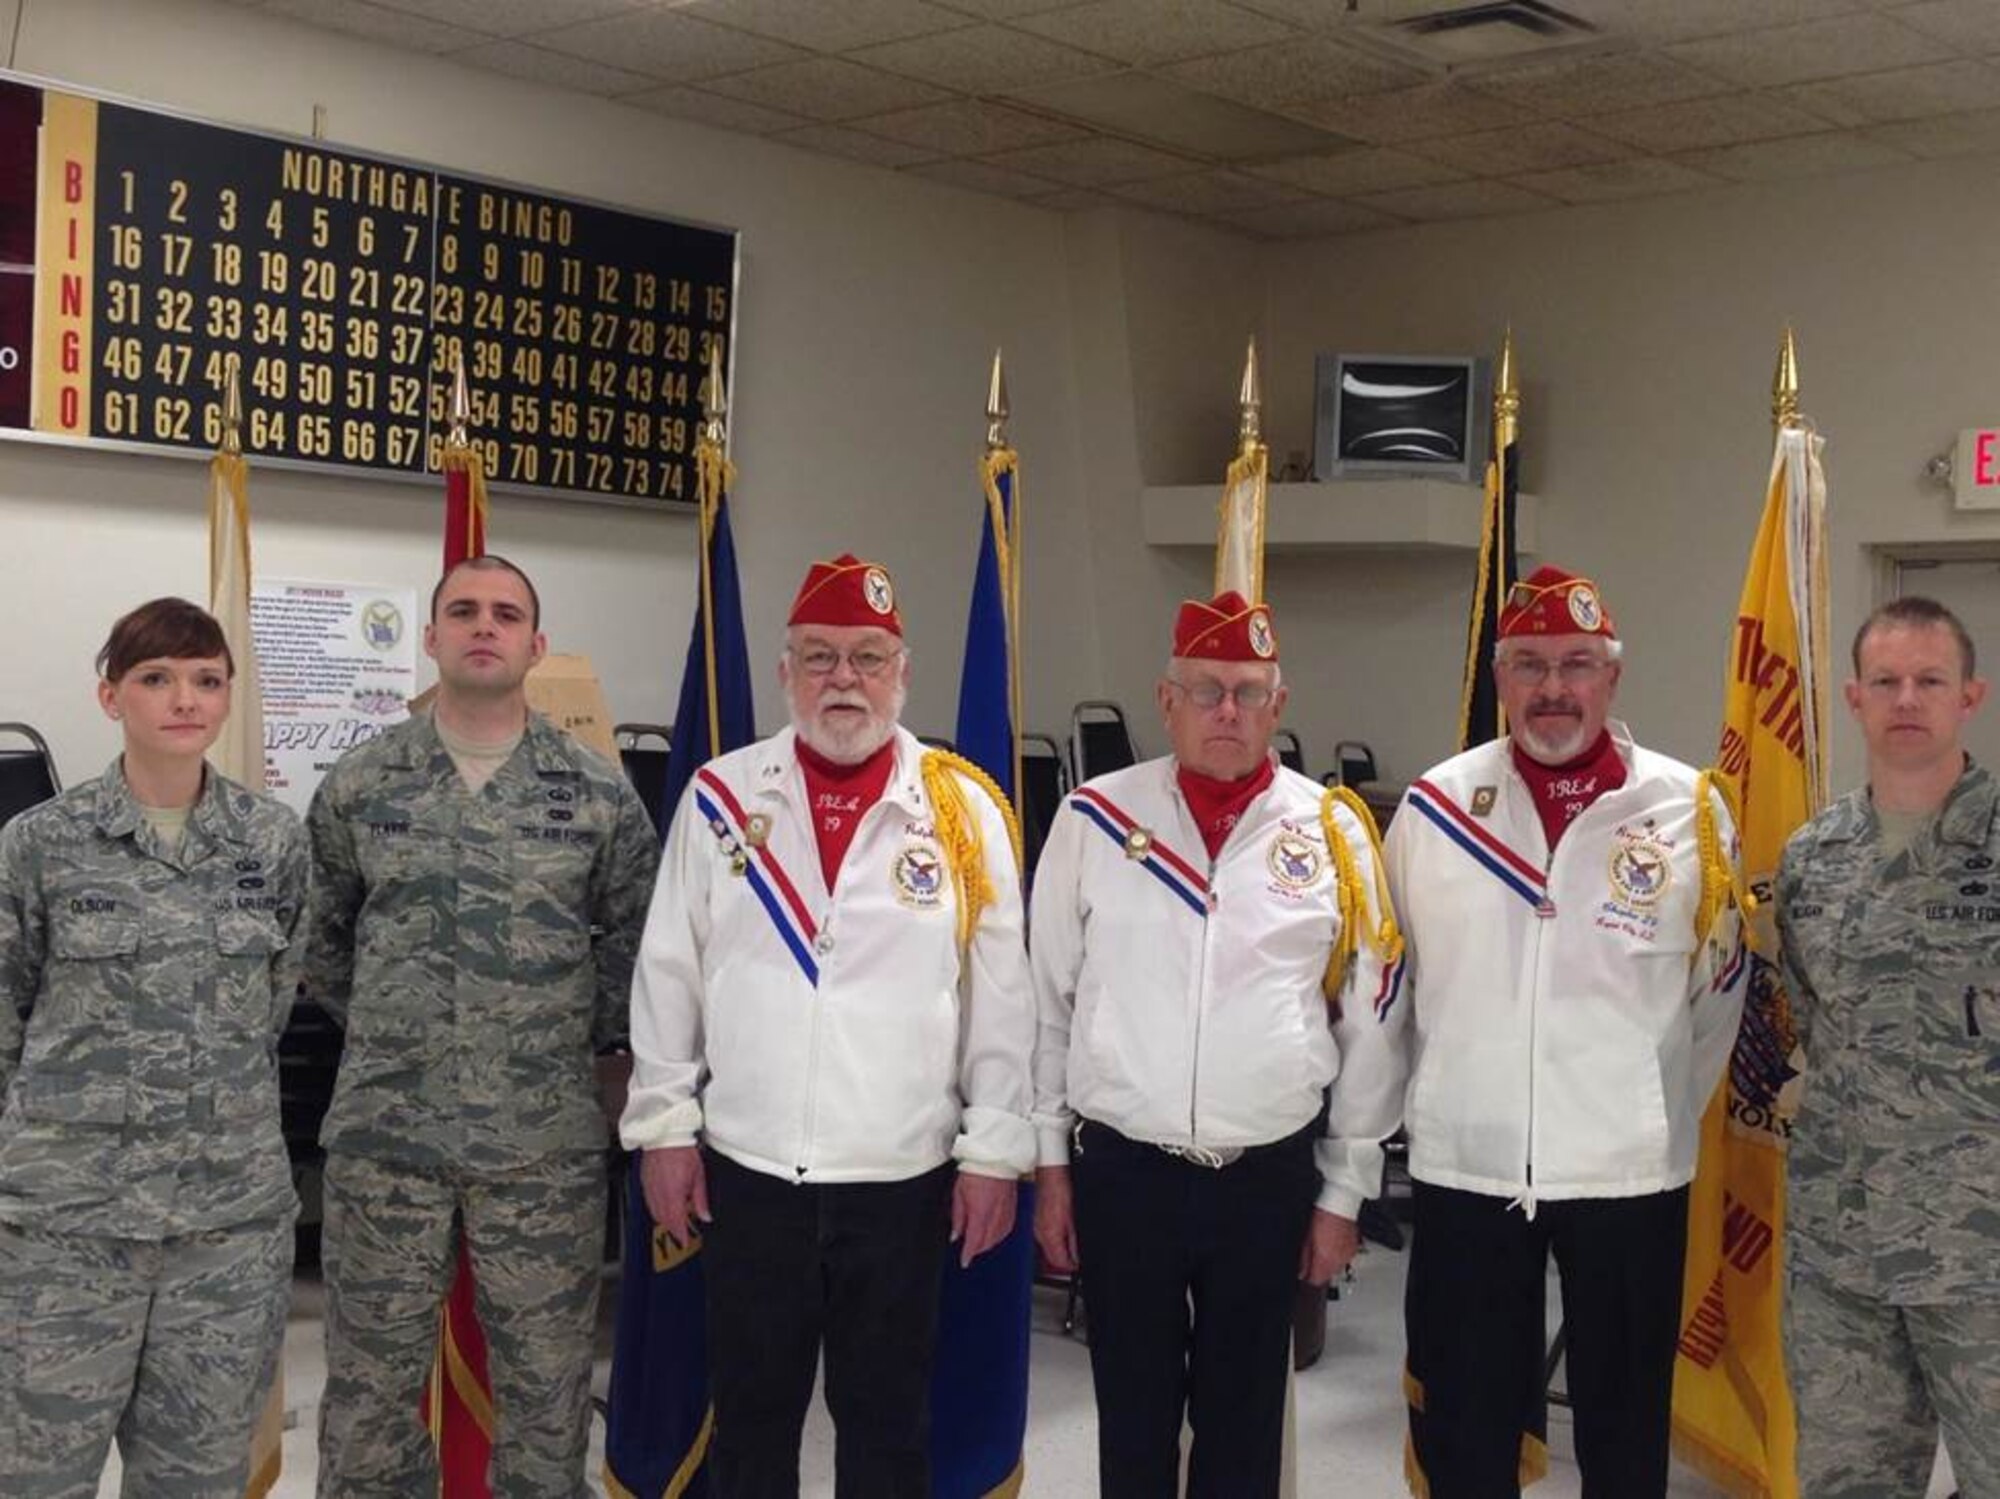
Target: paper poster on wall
(339, 666)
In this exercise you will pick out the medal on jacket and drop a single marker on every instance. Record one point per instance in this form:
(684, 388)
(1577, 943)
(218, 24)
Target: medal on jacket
(1138, 843)
(757, 830)
(739, 863)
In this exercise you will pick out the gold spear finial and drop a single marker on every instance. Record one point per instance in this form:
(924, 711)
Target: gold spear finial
(1506, 395)
(1250, 403)
(1785, 384)
(461, 406)
(997, 409)
(232, 408)
(714, 398)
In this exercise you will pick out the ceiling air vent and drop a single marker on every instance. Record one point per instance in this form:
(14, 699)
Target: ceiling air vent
(1494, 31)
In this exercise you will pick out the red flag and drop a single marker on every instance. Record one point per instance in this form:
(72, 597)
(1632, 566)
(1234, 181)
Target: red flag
(458, 1397)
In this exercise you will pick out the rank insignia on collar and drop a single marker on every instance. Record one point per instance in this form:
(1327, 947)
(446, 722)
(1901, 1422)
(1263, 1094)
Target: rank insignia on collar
(757, 830)
(1138, 843)
(1483, 798)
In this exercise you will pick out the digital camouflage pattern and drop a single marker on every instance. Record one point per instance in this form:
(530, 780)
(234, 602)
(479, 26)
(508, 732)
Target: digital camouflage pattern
(476, 949)
(1894, 971)
(142, 996)
(169, 1345)
(536, 1240)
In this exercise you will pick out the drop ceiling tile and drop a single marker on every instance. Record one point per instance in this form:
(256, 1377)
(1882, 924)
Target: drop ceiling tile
(1796, 156)
(984, 59)
(828, 27)
(1304, 68)
(983, 177)
(557, 69)
(1611, 181)
(1096, 161)
(1902, 94)
(827, 88)
(704, 108)
(1370, 169)
(1213, 192)
(1073, 200)
(1972, 134)
(1968, 26)
(1458, 200)
(513, 17)
(1147, 107)
(856, 145)
(1004, 10)
(667, 45)
(378, 23)
(1826, 48)
(1570, 87)
(1156, 31)
(1659, 21)
(969, 127)
(1696, 124)
(1316, 218)
(1411, 114)
(1525, 148)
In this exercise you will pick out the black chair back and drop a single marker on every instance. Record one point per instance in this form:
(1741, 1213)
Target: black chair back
(1355, 763)
(644, 749)
(1099, 740)
(27, 775)
(1044, 782)
(1291, 754)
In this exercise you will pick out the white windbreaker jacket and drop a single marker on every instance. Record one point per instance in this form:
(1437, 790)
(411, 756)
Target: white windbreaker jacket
(1568, 1028)
(829, 1036)
(1180, 1000)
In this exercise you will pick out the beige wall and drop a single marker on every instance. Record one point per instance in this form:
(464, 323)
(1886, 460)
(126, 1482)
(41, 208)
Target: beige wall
(870, 305)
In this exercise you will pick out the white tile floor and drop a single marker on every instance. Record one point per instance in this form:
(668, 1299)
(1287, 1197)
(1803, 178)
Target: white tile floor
(1350, 1412)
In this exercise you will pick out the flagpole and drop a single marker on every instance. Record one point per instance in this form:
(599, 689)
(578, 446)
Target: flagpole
(1007, 555)
(1785, 385)
(709, 480)
(1506, 427)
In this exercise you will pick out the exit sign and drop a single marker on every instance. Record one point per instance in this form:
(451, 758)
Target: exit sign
(1975, 469)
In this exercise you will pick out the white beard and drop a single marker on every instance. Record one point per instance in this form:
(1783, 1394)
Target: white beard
(852, 745)
(1551, 751)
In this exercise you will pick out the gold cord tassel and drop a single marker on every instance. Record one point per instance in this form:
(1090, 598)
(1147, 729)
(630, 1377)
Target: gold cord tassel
(958, 833)
(1383, 936)
(1721, 879)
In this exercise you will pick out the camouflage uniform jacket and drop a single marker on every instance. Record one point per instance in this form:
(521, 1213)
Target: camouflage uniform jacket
(1894, 971)
(476, 949)
(142, 995)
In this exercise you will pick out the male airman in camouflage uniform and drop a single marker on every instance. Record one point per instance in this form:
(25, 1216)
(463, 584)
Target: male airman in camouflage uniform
(480, 882)
(1889, 907)
(146, 1201)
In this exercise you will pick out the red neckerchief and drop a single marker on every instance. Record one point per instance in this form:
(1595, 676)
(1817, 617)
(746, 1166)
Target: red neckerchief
(1217, 804)
(1563, 791)
(838, 795)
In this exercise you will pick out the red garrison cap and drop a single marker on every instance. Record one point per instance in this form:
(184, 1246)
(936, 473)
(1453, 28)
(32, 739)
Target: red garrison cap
(1224, 628)
(847, 591)
(1554, 601)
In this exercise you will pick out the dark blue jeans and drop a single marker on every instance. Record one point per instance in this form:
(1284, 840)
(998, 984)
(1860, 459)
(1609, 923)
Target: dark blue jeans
(853, 1267)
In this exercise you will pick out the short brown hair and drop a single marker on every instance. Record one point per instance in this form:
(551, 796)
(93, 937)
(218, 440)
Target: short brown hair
(491, 562)
(166, 629)
(1915, 612)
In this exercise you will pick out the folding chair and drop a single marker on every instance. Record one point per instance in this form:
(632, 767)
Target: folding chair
(1044, 783)
(1099, 740)
(1291, 754)
(27, 776)
(646, 767)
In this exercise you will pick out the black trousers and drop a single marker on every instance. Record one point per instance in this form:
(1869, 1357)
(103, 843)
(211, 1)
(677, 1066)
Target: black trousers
(1474, 1316)
(1189, 1275)
(854, 1267)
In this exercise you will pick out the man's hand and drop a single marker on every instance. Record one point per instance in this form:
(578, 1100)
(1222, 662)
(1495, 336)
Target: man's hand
(1055, 1219)
(676, 1189)
(982, 1213)
(1331, 1244)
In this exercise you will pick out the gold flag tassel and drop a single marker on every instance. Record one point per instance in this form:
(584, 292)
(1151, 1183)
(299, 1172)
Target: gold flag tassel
(713, 475)
(1383, 936)
(958, 833)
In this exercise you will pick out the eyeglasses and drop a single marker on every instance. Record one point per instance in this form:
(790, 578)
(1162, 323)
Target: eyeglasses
(1572, 671)
(1208, 696)
(824, 661)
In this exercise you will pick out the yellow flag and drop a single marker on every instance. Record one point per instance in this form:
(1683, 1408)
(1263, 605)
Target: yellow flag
(239, 753)
(1239, 541)
(1732, 1408)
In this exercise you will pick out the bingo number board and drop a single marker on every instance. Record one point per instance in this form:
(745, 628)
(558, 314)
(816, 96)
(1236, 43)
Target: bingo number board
(139, 250)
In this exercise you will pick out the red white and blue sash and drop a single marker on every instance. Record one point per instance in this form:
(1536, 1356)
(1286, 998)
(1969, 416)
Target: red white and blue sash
(765, 875)
(1161, 862)
(1485, 850)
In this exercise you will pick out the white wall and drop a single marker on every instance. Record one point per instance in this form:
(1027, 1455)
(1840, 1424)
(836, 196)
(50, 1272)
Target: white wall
(870, 305)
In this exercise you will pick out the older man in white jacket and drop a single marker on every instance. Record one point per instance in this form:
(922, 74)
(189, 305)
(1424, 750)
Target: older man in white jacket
(1576, 975)
(833, 999)
(1212, 951)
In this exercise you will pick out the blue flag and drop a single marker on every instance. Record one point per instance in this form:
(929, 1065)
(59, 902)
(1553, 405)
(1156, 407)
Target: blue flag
(979, 1382)
(658, 1418)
